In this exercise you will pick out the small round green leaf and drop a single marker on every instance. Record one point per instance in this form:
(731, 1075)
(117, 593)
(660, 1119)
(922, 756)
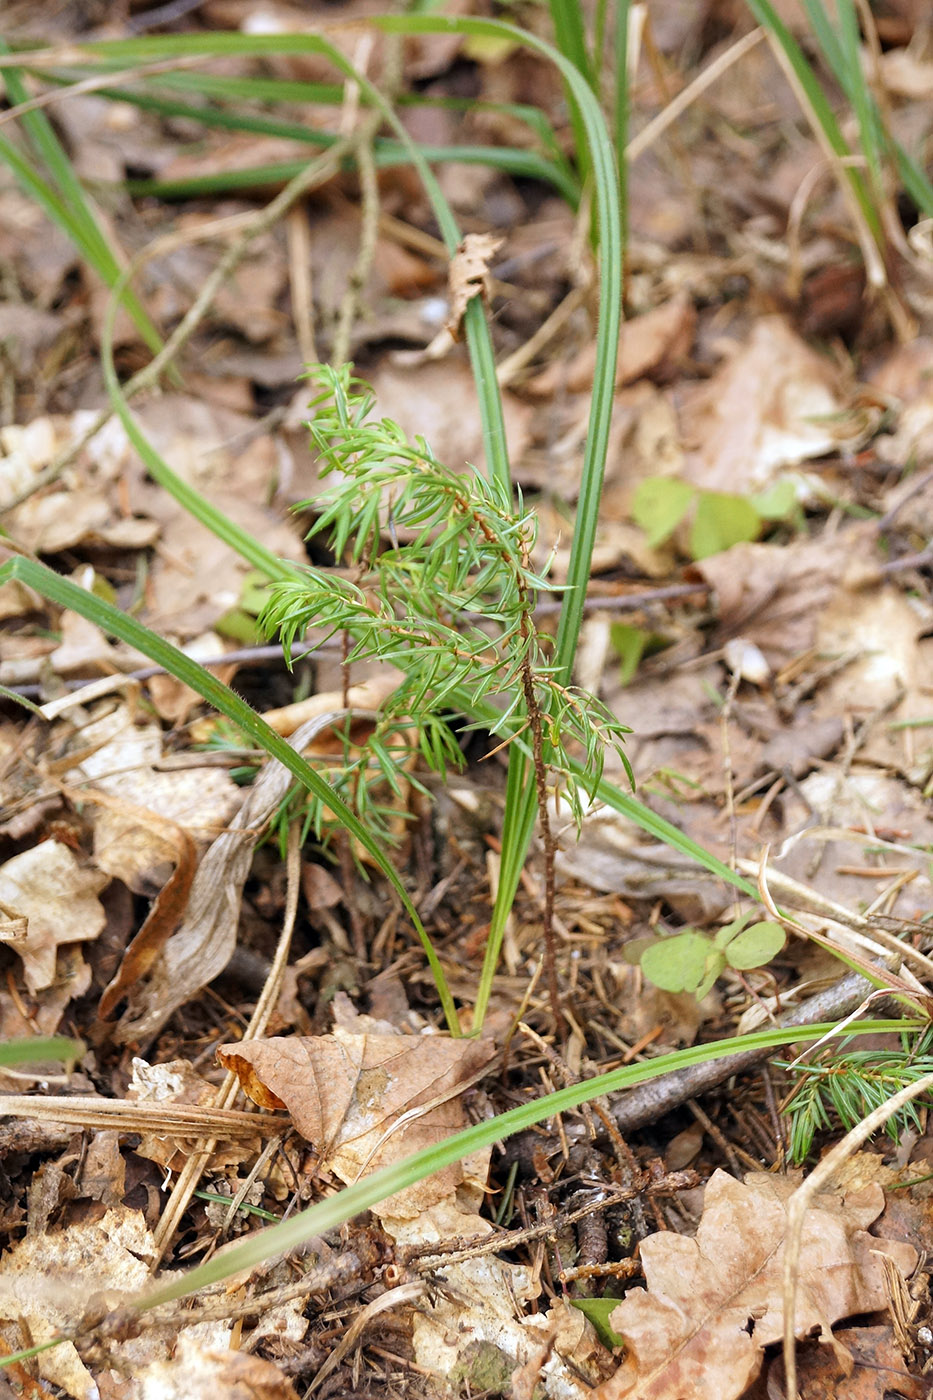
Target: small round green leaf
(659, 505)
(755, 946)
(722, 520)
(677, 964)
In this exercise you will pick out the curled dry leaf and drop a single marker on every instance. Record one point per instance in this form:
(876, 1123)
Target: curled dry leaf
(713, 1303)
(365, 1101)
(469, 274)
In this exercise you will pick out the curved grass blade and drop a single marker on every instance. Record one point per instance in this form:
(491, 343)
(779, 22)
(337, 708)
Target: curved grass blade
(109, 619)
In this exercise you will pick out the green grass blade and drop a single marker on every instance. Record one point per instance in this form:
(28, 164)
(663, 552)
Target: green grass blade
(35, 1051)
(66, 594)
(363, 1195)
(570, 41)
(822, 112)
(842, 50)
(526, 165)
(876, 141)
(81, 226)
(620, 114)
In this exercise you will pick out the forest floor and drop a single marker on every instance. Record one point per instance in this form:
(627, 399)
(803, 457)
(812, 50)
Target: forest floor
(760, 614)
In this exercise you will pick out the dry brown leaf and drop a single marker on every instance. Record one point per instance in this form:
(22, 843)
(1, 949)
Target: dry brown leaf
(468, 276)
(136, 836)
(204, 943)
(348, 1093)
(713, 1303)
(439, 403)
(651, 344)
(177, 1082)
(774, 595)
(905, 74)
(58, 898)
(773, 404)
(877, 1370)
(167, 908)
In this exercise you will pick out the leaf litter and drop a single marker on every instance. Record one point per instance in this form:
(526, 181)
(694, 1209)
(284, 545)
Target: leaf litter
(779, 696)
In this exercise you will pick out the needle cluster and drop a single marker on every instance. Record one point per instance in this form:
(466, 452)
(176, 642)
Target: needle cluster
(847, 1086)
(434, 576)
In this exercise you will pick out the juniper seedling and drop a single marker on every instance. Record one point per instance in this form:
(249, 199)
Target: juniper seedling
(850, 1084)
(445, 590)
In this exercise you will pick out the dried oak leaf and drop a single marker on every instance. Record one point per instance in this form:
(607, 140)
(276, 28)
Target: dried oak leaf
(713, 1303)
(775, 595)
(365, 1101)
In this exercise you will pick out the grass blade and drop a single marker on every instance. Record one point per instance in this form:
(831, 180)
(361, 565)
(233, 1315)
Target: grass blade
(66, 594)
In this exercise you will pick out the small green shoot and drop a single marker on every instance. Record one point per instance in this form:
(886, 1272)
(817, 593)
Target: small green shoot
(691, 961)
(631, 645)
(844, 1086)
(599, 1311)
(718, 519)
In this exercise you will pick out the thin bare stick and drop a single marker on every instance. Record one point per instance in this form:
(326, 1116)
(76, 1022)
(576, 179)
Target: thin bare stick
(299, 276)
(190, 1174)
(369, 212)
(659, 124)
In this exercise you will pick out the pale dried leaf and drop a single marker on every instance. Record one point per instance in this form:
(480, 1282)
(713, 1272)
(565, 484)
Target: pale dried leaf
(121, 764)
(713, 1303)
(49, 1277)
(773, 595)
(58, 898)
(773, 404)
(485, 1290)
(203, 945)
(195, 1372)
(439, 404)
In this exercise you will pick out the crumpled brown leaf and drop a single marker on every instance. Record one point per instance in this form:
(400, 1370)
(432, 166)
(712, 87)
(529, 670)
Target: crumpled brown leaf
(347, 1093)
(649, 345)
(203, 944)
(469, 274)
(713, 1303)
(774, 595)
(774, 403)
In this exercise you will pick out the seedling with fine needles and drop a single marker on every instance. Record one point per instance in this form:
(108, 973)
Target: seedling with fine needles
(445, 591)
(849, 1084)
